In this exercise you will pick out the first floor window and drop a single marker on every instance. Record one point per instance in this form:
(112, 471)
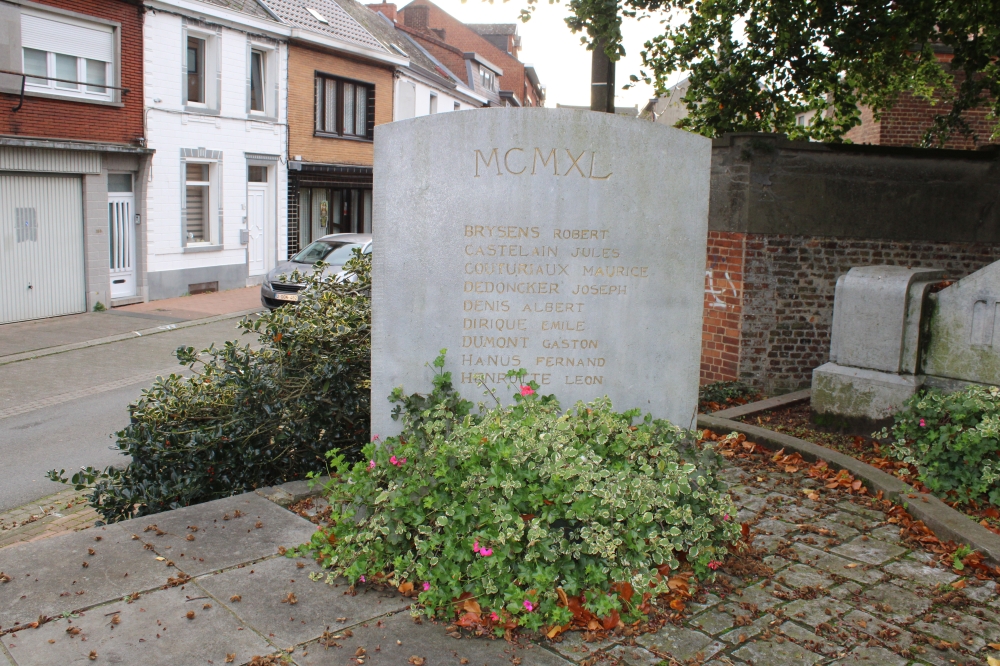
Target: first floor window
(342, 107)
(197, 199)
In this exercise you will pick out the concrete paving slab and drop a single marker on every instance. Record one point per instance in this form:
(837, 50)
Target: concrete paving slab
(680, 643)
(871, 551)
(774, 653)
(897, 604)
(871, 656)
(224, 538)
(48, 577)
(152, 631)
(629, 655)
(264, 587)
(572, 646)
(392, 640)
(921, 573)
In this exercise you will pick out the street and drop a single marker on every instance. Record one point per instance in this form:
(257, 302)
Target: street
(60, 411)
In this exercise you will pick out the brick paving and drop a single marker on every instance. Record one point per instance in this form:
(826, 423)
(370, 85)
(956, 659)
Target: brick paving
(64, 512)
(843, 588)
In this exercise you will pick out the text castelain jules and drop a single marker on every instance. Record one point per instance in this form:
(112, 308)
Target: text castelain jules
(523, 161)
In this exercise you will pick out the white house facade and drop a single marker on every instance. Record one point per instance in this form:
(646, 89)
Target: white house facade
(215, 101)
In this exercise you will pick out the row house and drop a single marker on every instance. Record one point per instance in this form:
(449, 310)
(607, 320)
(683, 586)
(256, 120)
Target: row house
(73, 160)
(154, 148)
(216, 119)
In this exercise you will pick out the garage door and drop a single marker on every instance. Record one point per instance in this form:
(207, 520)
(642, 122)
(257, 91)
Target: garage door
(41, 247)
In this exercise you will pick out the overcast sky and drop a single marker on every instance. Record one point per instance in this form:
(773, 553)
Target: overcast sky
(562, 63)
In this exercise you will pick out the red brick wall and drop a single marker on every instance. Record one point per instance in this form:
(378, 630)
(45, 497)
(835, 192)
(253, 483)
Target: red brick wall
(785, 309)
(720, 338)
(67, 119)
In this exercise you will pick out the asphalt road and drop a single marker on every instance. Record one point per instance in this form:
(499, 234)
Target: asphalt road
(60, 411)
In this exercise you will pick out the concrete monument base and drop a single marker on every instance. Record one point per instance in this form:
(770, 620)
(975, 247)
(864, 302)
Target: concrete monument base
(857, 399)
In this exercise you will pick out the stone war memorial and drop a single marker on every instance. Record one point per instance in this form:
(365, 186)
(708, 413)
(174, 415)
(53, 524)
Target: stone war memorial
(570, 244)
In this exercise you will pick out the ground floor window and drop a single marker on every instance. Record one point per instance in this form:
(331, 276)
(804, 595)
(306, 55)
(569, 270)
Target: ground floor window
(330, 210)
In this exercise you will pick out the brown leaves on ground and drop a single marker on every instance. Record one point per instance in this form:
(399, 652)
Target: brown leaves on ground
(236, 598)
(736, 445)
(416, 661)
(189, 615)
(179, 579)
(4, 578)
(291, 599)
(93, 655)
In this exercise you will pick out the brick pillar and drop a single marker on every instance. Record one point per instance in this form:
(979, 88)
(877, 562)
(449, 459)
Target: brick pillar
(720, 338)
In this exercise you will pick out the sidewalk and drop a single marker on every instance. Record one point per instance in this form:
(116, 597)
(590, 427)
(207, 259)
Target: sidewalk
(834, 583)
(57, 332)
(61, 513)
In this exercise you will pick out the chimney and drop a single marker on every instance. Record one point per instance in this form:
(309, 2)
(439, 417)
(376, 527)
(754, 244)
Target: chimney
(388, 9)
(415, 16)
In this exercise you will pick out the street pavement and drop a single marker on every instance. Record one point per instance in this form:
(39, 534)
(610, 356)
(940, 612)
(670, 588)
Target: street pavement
(60, 410)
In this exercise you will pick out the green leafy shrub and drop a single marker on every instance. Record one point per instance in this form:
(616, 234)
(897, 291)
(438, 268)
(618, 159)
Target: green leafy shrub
(249, 417)
(954, 441)
(513, 504)
(720, 395)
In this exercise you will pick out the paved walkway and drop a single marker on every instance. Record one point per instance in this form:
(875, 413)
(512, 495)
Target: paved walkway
(61, 513)
(833, 584)
(30, 336)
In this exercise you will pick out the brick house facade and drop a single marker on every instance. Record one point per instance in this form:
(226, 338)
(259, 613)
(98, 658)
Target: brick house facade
(72, 155)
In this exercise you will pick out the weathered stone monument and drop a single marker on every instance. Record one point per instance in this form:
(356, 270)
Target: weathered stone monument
(568, 243)
(896, 330)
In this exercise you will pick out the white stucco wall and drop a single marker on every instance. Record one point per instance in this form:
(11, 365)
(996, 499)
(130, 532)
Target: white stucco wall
(233, 132)
(446, 101)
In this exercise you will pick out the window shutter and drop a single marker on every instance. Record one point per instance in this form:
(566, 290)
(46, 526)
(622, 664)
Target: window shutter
(249, 74)
(70, 39)
(370, 130)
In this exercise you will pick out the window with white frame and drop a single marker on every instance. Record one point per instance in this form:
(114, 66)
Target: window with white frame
(258, 62)
(198, 199)
(433, 104)
(457, 106)
(342, 107)
(200, 70)
(68, 57)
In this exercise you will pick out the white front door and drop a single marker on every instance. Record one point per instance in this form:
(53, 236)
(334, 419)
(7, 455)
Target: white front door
(121, 234)
(257, 222)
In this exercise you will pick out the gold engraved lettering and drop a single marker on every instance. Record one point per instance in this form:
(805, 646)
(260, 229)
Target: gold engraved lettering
(545, 162)
(576, 234)
(595, 252)
(616, 271)
(600, 290)
(506, 156)
(495, 360)
(512, 287)
(487, 162)
(542, 306)
(587, 380)
(498, 342)
(564, 343)
(561, 325)
(593, 159)
(470, 324)
(570, 362)
(574, 164)
(486, 306)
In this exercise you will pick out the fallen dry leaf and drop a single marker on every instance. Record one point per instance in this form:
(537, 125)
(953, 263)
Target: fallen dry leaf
(235, 598)
(291, 600)
(189, 537)
(416, 661)
(190, 615)
(230, 657)
(992, 661)
(93, 655)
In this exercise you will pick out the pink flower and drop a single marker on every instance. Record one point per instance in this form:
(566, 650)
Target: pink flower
(529, 606)
(362, 579)
(398, 462)
(374, 438)
(402, 462)
(494, 617)
(427, 586)
(726, 517)
(713, 565)
(485, 552)
(923, 424)
(475, 546)
(527, 390)
(393, 460)
(371, 464)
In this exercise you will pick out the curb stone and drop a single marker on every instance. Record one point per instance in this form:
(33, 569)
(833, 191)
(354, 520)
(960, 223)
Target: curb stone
(286, 494)
(947, 523)
(764, 405)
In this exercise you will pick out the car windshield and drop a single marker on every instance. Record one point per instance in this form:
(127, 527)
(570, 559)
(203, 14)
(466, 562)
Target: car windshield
(332, 252)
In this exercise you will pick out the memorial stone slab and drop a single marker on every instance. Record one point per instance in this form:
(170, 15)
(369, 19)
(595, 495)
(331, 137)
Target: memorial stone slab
(567, 243)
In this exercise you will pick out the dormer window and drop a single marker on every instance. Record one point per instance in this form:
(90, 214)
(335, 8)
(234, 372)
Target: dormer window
(487, 79)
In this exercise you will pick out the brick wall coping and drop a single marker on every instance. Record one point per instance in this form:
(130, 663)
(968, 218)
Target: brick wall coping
(947, 523)
(781, 142)
(60, 144)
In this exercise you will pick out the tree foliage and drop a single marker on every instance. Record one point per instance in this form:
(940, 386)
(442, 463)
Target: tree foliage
(754, 65)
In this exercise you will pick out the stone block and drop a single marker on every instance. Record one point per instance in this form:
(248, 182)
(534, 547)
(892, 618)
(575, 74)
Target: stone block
(152, 631)
(570, 244)
(868, 550)
(49, 577)
(920, 573)
(680, 643)
(223, 537)
(773, 653)
(846, 393)
(871, 656)
(264, 589)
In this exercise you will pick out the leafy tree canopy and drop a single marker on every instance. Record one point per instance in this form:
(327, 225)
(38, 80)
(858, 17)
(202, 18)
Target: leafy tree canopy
(754, 65)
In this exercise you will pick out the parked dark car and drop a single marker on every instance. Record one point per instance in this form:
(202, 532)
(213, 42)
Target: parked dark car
(335, 250)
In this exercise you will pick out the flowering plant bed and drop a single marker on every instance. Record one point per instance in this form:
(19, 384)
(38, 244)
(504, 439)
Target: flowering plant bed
(525, 517)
